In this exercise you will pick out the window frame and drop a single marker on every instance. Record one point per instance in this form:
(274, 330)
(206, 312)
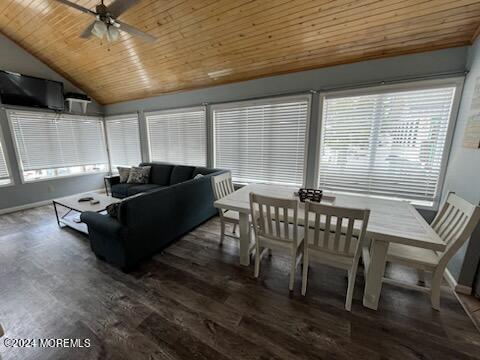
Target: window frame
(146, 114)
(3, 144)
(19, 160)
(267, 101)
(108, 118)
(457, 82)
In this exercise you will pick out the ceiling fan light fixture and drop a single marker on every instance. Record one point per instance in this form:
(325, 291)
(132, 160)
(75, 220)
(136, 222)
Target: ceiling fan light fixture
(106, 23)
(99, 29)
(112, 33)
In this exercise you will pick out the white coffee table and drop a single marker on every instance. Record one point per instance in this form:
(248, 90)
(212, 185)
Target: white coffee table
(75, 208)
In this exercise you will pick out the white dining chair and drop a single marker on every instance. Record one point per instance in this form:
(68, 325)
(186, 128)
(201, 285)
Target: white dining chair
(335, 238)
(222, 186)
(454, 224)
(275, 224)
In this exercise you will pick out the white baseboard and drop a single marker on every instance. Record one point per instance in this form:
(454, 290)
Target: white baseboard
(41, 203)
(462, 289)
(450, 279)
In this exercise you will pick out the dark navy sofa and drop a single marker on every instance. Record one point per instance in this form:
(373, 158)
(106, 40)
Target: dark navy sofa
(159, 214)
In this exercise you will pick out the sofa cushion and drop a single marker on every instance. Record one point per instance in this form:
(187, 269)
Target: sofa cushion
(160, 173)
(121, 190)
(180, 174)
(137, 188)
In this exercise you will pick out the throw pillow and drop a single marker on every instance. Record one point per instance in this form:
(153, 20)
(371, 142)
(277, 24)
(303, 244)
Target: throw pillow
(198, 176)
(139, 175)
(124, 173)
(113, 210)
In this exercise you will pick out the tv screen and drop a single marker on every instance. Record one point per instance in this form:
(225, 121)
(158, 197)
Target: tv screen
(23, 90)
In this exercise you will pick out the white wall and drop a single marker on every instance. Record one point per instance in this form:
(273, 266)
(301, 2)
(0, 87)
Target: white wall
(13, 58)
(463, 173)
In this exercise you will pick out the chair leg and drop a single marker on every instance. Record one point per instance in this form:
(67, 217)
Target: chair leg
(222, 231)
(269, 252)
(293, 267)
(435, 289)
(257, 259)
(305, 272)
(352, 274)
(234, 228)
(421, 276)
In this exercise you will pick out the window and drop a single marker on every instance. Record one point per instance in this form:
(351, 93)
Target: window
(386, 143)
(5, 178)
(51, 145)
(178, 136)
(123, 140)
(262, 141)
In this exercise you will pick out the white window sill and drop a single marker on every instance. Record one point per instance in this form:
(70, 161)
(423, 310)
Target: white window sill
(64, 176)
(11, 183)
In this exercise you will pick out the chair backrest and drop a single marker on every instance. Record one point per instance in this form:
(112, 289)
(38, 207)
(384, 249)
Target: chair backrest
(454, 223)
(274, 218)
(222, 185)
(334, 228)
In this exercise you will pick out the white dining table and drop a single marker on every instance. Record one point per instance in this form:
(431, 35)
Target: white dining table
(390, 221)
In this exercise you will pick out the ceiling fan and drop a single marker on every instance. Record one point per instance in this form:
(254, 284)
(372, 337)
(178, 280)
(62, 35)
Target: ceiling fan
(106, 23)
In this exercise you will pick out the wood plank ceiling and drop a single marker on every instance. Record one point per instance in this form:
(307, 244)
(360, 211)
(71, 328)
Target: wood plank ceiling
(208, 42)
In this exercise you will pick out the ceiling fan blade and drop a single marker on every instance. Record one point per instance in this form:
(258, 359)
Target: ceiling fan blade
(118, 7)
(88, 31)
(78, 7)
(134, 31)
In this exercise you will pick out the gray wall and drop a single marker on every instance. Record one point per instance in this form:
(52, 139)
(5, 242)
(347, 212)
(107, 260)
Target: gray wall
(400, 67)
(13, 58)
(463, 174)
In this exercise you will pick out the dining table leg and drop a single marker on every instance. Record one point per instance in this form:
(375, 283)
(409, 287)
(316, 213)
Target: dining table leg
(244, 239)
(376, 271)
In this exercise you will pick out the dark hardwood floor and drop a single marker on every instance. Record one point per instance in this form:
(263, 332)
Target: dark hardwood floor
(195, 302)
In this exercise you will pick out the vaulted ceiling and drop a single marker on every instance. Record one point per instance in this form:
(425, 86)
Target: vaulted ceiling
(208, 42)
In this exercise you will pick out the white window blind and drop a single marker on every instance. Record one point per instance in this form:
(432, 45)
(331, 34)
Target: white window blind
(262, 141)
(4, 174)
(178, 136)
(47, 140)
(386, 144)
(123, 140)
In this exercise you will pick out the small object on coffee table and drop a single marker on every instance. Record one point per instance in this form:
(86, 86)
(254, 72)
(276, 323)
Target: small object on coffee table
(94, 202)
(85, 199)
(310, 194)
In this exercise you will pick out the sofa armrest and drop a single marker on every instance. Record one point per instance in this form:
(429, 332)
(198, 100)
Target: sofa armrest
(103, 224)
(112, 179)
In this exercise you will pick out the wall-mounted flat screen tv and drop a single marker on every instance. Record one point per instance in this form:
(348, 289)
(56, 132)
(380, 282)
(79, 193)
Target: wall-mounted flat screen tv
(23, 90)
